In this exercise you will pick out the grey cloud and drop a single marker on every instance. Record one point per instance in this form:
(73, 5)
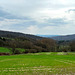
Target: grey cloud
(18, 13)
(28, 7)
(6, 15)
(71, 10)
(53, 22)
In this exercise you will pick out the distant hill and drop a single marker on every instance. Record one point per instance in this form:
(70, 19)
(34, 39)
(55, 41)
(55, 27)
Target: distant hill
(47, 36)
(10, 34)
(66, 37)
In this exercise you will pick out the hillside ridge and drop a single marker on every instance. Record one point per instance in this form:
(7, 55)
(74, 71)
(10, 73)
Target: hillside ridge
(65, 37)
(11, 34)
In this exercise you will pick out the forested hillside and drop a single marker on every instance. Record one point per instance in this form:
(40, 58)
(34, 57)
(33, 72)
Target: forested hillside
(19, 43)
(10, 34)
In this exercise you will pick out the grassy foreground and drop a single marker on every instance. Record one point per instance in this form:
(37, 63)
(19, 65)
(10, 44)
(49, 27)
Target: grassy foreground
(48, 63)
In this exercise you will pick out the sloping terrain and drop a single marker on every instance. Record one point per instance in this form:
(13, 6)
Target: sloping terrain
(67, 37)
(10, 34)
(47, 36)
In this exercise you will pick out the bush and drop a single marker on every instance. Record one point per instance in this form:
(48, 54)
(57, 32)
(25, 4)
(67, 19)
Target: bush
(17, 51)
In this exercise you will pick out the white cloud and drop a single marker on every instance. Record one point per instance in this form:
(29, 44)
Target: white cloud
(33, 7)
(9, 22)
(40, 11)
(31, 29)
(59, 30)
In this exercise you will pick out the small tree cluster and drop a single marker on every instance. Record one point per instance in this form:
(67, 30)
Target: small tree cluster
(72, 45)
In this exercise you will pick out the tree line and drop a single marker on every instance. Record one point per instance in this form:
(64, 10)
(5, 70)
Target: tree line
(36, 45)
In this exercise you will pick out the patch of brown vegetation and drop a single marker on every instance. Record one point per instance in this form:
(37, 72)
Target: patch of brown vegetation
(4, 54)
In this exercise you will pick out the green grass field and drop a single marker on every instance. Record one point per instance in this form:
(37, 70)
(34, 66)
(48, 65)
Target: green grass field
(48, 63)
(4, 50)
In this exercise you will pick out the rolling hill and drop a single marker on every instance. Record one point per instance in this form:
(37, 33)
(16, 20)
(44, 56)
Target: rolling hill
(10, 34)
(47, 36)
(66, 37)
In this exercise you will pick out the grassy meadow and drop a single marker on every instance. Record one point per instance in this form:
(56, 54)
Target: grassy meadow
(48, 63)
(4, 50)
(8, 50)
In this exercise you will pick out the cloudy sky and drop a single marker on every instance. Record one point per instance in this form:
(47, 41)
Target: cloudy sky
(46, 17)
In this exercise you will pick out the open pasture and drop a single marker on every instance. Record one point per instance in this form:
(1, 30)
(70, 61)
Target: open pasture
(48, 63)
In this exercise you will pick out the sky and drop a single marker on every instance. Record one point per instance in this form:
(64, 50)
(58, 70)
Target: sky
(44, 17)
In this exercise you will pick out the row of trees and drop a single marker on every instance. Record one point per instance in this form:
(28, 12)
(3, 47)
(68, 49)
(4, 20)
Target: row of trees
(30, 45)
(66, 46)
(34, 46)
